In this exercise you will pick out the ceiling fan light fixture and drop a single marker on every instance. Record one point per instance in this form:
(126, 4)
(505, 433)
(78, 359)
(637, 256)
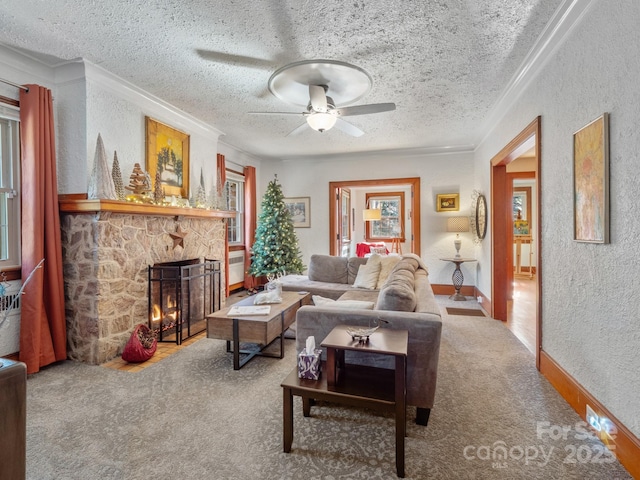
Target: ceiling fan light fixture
(321, 121)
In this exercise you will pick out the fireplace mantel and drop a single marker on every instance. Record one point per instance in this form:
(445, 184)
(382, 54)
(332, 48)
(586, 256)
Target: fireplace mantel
(79, 203)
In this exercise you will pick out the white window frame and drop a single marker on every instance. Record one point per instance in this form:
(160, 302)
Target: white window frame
(9, 187)
(239, 218)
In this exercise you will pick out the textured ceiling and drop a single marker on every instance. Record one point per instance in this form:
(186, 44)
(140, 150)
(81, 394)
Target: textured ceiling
(443, 62)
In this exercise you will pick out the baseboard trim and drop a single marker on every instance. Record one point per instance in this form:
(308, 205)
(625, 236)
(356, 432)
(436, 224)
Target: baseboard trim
(12, 356)
(484, 302)
(625, 445)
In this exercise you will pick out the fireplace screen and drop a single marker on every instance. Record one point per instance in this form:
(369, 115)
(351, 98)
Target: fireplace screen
(181, 295)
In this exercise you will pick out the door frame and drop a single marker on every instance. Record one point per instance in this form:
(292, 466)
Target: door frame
(413, 182)
(502, 226)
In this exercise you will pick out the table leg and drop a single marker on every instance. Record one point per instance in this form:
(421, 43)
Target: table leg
(401, 412)
(306, 406)
(287, 419)
(457, 279)
(281, 334)
(331, 367)
(236, 345)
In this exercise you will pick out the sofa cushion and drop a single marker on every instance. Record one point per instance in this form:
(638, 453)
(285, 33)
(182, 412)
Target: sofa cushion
(386, 266)
(353, 264)
(328, 268)
(331, 303)
(398, 292)
(368, 274)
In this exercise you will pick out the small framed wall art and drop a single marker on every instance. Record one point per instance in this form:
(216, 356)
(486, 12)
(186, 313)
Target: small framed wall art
(591, 182)
(448, 202)
(168, 153)
(300, 210)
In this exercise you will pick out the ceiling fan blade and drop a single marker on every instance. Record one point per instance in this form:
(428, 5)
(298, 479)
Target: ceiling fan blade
(277, 113)
(229, 58)
(365, 109)
(318, 98)
(297, 130)
(348, 128)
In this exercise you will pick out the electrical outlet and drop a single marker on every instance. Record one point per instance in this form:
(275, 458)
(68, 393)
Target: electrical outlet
(479, 299)
(593, 419)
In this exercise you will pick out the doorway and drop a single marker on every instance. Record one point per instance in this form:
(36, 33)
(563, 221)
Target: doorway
(502, 226)
(337, 203)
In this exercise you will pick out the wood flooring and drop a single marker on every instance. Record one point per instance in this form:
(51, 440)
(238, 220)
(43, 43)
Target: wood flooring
(521, 312)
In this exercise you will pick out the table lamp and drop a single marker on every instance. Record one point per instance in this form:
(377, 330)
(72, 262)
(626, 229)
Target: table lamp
(371, 214)
(457, 225)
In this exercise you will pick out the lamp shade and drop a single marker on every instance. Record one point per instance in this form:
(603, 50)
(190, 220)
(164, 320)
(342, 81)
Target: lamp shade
(458, 224)
(321, 121)
(371, 214)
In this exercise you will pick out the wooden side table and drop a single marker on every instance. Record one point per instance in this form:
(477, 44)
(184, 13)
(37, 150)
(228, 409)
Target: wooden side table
(369, 387)
(457, 276)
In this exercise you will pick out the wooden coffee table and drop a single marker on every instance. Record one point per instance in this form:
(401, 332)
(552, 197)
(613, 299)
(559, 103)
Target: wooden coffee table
(370, 387)
(259, 329)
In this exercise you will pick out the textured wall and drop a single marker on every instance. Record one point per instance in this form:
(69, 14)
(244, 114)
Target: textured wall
(590, 305)
(105, 260)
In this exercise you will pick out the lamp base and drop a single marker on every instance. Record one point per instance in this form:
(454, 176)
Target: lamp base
(457, 243)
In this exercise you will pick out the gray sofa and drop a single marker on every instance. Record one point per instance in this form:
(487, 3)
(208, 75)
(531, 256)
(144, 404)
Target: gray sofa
(405, 300)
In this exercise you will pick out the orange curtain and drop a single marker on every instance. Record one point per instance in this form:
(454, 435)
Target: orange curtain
(222, 175)
(43, 335)
(249, 222)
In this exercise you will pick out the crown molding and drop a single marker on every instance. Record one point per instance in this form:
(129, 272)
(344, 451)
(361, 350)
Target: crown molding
(565, 19)
(136, 95)
(399, 153)
(26, 69)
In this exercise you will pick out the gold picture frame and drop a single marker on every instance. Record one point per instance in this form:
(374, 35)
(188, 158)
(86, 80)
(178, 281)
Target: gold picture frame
(591, 182)
(448, 202)
(168, 149)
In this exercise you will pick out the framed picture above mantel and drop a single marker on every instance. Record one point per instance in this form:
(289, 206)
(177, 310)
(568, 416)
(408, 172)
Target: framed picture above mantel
(168, 153)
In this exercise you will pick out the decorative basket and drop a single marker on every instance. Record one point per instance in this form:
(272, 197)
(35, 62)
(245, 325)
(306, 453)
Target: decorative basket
(141, 346)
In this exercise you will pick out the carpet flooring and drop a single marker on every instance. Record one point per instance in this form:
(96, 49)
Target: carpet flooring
(191, 416)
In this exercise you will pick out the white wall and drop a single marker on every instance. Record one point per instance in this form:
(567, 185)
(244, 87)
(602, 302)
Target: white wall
(439, 173)
(590, 301)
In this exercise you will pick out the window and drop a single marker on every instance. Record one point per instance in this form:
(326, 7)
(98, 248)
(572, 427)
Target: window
(235, 202)
(9, 187)
(390, 226)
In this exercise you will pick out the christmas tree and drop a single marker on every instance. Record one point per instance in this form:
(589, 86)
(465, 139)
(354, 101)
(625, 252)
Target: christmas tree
(275, 249)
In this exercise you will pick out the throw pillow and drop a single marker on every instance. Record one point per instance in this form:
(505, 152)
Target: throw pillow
(331, 303)
(368, 275)
(386, 265)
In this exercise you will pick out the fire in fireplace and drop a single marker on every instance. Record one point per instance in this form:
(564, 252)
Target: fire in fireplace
(181, 295)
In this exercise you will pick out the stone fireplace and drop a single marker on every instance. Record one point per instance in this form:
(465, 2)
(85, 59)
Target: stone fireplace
(107, 247)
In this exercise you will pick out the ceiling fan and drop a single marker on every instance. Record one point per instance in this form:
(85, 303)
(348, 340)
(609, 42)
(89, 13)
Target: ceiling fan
(308, 83)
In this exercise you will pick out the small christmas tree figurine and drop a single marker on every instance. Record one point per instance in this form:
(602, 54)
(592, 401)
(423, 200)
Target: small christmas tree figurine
(275, 249)
(138, 181)
(201, 196)
(117, 177)
(158, 191)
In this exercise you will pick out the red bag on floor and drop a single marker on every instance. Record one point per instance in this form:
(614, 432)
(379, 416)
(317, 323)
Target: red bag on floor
(141, 346)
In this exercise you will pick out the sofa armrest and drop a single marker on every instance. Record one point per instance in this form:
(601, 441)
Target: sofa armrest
(424, 342)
